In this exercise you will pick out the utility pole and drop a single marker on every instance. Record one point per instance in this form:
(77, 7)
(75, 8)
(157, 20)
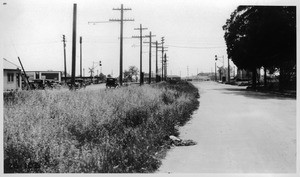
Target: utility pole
(121, 20)
(65, 62)
(80, 41)
(165, 66)
(163, 72)
(162, 58)
(156, 65)
(150, 45)
(74, 44)
(187, 70)
(141, 49)
(28, 85)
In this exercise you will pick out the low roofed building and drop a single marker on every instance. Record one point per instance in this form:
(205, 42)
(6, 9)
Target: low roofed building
(12, 79)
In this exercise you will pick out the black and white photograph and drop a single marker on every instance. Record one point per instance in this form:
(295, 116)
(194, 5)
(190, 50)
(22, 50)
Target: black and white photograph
(161, 87)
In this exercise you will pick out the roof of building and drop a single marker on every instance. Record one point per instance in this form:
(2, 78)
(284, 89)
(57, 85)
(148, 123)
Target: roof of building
(9, 65)
(170, 76)
(46, 71)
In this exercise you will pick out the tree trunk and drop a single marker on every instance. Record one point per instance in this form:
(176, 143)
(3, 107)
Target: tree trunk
(265, 77)
(282, 81)
(254, 78)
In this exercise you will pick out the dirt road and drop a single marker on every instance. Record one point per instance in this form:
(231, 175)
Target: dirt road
(237, 131)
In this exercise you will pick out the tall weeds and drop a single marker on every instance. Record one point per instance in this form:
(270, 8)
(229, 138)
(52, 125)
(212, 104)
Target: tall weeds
(112, 131)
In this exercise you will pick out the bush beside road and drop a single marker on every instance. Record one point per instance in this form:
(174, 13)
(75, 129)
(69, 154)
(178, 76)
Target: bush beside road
(93, 131)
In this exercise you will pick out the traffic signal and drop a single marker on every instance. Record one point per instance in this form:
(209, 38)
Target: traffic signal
(100, 63)
(216, 57)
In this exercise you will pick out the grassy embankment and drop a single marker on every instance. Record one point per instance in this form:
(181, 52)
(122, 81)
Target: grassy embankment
(119, 130)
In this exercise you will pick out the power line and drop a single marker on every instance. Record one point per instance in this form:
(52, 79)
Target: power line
(197, 47)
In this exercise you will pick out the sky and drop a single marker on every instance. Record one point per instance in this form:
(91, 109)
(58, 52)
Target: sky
(33, 29)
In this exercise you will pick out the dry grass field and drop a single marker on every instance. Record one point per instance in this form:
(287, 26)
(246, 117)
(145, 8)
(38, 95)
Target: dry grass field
(105, 131)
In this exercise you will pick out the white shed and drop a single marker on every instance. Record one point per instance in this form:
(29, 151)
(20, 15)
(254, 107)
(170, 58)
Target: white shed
(12, 79)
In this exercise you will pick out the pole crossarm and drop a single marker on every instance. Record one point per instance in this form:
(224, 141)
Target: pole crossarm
(140, 28)
(122, 8)
(118, 20)
(151, 42)
(150, 36)
(98, 22)
(138, 36)
(134, 45)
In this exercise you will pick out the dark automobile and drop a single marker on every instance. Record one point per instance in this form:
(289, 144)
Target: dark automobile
(37, 84)
(111, 82)
(79, 83)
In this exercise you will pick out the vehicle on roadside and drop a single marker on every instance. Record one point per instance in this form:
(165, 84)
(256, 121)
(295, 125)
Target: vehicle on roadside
(111, 83)
(37, 84)
(79, 83)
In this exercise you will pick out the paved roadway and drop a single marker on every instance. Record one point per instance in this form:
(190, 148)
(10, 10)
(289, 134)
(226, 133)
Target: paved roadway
(237, 131)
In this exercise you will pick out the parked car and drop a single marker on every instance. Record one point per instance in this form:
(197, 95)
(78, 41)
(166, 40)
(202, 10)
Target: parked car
(79, 83)
(111, 82)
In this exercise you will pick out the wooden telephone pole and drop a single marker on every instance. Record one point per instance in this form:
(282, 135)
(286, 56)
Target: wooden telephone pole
(163, 49)
(74, 44)
(28, 85)
(165, 63)
(65, 62)
(121, 20)
(150, 48)
(141, 49)
(162, 58)
(156, 65)
(80, 41)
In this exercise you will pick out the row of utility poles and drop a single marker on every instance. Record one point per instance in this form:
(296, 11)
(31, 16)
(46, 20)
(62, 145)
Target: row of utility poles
(141, 36)
(158, 46)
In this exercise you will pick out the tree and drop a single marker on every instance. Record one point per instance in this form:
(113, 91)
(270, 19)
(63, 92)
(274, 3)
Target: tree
(102, 76)
(134, 71)
(262, 36)
(130, 73)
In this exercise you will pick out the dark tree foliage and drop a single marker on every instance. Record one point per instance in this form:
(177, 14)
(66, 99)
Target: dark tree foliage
(263, 36)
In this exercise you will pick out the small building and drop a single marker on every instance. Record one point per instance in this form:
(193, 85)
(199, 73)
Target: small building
(146, 77)
(49, 75)
(12, 80)
(173, 77)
